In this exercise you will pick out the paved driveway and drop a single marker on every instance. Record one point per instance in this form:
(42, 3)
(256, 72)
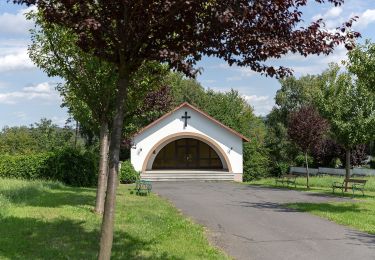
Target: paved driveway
(248, 222)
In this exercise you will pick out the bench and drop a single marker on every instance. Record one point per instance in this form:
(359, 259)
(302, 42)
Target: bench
(143, 187)
(287, 179)
(353, 184)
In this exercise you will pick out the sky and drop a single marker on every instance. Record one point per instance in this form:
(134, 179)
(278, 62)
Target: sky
(27, 94)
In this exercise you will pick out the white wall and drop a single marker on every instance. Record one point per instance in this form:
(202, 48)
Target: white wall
(198, 124)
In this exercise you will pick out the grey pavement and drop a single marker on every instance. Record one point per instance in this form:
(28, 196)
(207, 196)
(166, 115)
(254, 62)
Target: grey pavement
(248, 222)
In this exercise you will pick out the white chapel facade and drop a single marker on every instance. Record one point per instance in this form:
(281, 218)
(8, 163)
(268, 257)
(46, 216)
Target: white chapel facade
(188, 144)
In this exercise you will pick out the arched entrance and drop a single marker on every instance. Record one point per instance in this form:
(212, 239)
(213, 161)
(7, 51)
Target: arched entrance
(154, 151)
(187, 153)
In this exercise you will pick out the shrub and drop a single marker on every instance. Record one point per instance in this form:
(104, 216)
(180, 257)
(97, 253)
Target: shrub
(127, 173)
(281, 168)
(70, 166)
(255, 161)
(25, 166)
(74, 167)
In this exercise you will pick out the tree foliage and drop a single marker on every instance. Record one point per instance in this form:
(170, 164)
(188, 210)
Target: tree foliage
(307, 128)
(349, 107)
(361, 63)
(43, 136)
(181, 32)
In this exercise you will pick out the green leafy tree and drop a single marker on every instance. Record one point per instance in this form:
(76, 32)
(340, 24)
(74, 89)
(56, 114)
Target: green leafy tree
(361, 63)
(42, 136)
(349, 108)
(89, 88)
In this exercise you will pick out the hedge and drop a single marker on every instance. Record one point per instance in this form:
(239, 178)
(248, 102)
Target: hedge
(69, 165)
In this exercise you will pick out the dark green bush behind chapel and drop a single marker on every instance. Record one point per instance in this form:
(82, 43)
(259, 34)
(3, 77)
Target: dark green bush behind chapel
(70, 166)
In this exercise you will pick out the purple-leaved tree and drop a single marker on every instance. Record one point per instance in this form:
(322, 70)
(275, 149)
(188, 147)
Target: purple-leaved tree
(307, 129)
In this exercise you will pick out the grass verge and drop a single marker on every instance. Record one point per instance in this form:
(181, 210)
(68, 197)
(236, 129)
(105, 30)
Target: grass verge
(358, 214)
(47, 220)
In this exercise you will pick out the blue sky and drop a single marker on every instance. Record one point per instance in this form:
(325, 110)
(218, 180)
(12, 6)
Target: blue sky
(27, 94)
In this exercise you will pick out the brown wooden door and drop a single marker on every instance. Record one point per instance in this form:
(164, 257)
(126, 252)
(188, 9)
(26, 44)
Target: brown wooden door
(187, 153)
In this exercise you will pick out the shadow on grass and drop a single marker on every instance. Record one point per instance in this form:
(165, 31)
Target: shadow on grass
(313, 191)
(29, 238)
(42, 196)
(325, 207)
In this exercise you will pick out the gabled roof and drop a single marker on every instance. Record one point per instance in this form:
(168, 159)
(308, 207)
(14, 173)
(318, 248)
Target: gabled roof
(186, 104)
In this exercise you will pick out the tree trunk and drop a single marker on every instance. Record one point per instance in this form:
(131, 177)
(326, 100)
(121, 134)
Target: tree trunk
(347, 167)
(307, 172)
(76, 135)
(103, 168)
(106, 238)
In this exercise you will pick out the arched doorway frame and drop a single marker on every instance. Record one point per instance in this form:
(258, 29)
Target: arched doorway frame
(149, 160)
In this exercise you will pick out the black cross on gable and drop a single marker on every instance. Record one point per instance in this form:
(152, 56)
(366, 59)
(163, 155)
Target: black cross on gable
(186, 117)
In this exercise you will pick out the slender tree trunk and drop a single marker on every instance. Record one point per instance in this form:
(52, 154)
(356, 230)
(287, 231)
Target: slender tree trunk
(347, 167)
(307, 172)
(76, 135)
(106, 238)
(103, 168)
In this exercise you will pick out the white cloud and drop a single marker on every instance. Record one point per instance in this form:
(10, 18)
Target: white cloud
(331, 13)
(16, 61)
(16, 24)
(61, 121)
(262, 104)
(40, 88)
(365, 18)
(44, 91)
(255, 98)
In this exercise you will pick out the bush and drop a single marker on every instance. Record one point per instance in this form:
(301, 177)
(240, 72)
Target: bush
(127, 173)
(74, 167)
(281, 168)
(25, 166)
(70, 166)
(255, 162)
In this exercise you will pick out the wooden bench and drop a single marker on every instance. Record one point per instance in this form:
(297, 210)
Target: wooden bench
(353, 184)
(143, 187)
(287, 179)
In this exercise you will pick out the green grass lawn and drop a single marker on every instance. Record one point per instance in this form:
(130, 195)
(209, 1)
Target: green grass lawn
(359, 214)
(47, 220)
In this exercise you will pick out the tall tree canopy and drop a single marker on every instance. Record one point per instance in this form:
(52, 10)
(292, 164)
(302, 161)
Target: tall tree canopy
(128, 33)
(349, 108)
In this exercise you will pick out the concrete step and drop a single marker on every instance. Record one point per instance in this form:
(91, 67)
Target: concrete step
(180, 176)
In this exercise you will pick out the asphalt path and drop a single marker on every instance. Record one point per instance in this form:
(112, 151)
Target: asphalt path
(249, 222)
